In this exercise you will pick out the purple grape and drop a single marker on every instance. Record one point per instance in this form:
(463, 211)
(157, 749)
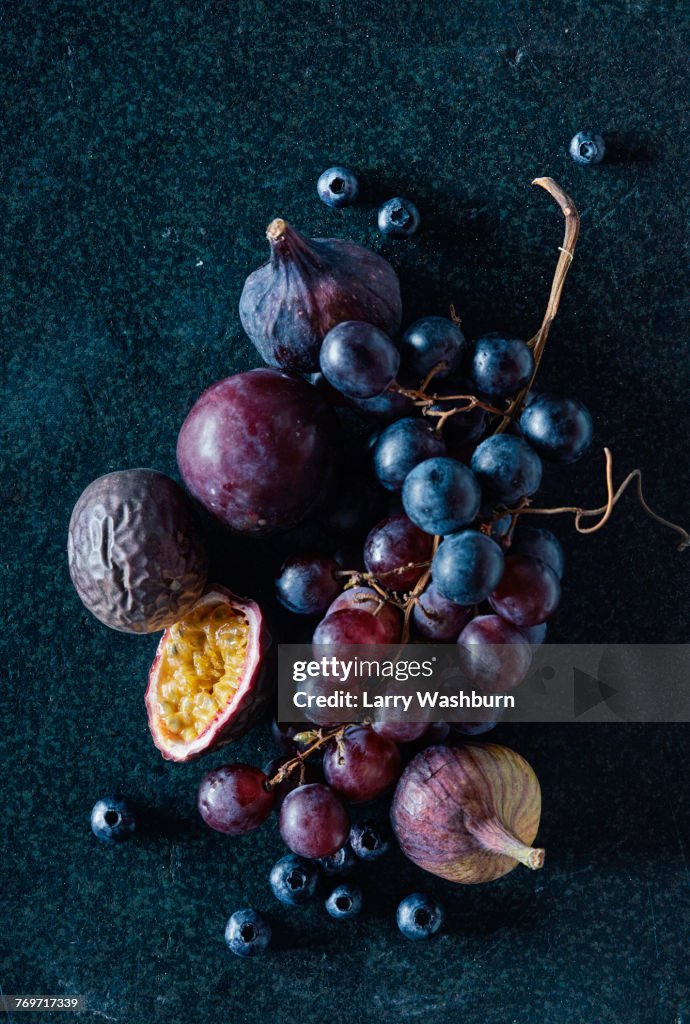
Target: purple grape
(395, 552)
(560, 429)
(494, 654)
(528, 593)
(296, 778)
(307, 584)
(535, 634)
(436, 618)
(500, 366)
(441, 495)
(538, 542)
(401, 447)
(366, 599)
(467, 567)
(431, 341)
(350, 626)
(464, 428)
(283, 734)
(507, 468)
(362, 766)
(473, 728)
(401, 732)
(358, 359)
(235, 799)
(313, 821)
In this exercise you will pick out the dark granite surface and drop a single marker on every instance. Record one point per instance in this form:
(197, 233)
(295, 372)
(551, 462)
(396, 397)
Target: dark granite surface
(144, 147)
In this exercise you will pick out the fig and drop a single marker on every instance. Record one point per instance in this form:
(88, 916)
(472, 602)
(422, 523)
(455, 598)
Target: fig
(468, 814)
(211, 679)
(255, 450)
(135, 556)
(308, 286)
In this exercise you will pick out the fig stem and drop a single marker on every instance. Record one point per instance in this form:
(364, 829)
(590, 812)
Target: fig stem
(494, 836)
(276, 229)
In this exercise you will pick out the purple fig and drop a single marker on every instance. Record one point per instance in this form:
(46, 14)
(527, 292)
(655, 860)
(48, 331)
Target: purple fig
(308, 286)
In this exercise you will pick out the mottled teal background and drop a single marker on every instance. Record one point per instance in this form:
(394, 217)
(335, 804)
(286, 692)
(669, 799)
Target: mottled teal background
(144, 146)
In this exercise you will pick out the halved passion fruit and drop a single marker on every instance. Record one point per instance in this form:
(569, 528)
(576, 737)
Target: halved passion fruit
(210, 681)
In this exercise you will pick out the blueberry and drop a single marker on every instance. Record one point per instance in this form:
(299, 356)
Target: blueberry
(507, 468)
(431, 341)
(402, 446)
(560, 429)
(294, 879)
(368, 842)
(113, 819)
(337, 187)
(500, 366)
(339, 863)
(419, 916)
(345, 901)
(398, 218)
(247, 933)
(587, 148)
(441, 495)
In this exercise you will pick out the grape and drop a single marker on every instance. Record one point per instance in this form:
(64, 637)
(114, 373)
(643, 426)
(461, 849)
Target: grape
(307, 584)
(366, 599)
(467, 567)
(494, 654)
(355, 504)
(500, 366)
(296, 777)
(362, 766)
(431, 341)
(473, 728)
(283, 735)
(234, 799)
(358, 359)
(313, 821)
(391, 405)
(401, 732)
(535, 634)
(561, 429)
(401, 447)
(528, 592)
(441, 495)
(507, 468)
(350, 626)
(392, 550)
(255, 450)
(540, 543)
(436, 618)
(464, 428)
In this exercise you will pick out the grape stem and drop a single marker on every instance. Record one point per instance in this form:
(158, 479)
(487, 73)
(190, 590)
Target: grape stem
(298, 761)
(605, 511)
(567, 250)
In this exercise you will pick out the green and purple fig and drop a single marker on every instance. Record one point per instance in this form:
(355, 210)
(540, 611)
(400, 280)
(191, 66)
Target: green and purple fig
(307, 287)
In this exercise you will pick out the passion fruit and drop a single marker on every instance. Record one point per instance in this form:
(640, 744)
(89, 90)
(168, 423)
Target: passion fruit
(135, 556)
(211, 679)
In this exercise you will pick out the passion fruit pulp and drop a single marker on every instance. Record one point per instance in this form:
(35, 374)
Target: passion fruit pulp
(211, 680)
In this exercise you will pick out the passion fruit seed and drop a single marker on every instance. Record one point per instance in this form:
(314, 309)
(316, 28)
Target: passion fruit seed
(211, 679)
(202, 668)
